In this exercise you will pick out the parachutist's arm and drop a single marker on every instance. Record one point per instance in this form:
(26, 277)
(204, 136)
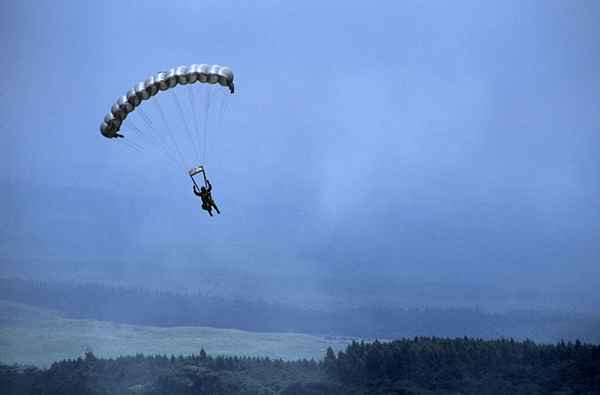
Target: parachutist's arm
(209, 186)
(196, 191)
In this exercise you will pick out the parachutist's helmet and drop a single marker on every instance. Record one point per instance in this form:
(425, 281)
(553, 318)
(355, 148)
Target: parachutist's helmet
(203, 189)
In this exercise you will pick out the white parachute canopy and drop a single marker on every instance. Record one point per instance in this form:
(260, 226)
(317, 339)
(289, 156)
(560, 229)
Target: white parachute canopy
(173, 135)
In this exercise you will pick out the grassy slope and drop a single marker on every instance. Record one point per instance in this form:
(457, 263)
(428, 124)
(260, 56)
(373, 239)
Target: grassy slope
(36, 336)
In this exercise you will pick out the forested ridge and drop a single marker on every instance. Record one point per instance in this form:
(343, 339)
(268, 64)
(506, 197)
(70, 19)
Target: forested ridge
(168, 309)
(422, 365)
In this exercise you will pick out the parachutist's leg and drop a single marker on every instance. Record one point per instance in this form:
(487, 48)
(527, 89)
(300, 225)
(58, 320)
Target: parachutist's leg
(210, 212)
(216, 208)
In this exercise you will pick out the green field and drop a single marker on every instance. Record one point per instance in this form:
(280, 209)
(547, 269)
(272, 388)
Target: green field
(30, 335)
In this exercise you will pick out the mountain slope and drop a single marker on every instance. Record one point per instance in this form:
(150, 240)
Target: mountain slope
(39, 337)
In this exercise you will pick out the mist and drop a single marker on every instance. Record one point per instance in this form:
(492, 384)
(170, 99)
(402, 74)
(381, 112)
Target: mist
(408, 154)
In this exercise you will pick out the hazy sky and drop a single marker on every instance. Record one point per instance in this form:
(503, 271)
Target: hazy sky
(436, 141)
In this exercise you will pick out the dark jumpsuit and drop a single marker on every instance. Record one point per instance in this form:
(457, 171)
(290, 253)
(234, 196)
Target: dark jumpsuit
(207, 200)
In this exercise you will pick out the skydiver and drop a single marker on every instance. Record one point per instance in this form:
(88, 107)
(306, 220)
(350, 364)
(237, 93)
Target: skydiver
(207, 201)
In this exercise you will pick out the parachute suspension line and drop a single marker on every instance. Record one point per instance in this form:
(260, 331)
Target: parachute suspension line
(220, 102)
(141, 138)
(135, 144)
(132, 145)
(163, 143)
(206, 113)
(152, 138)
(129, 137)
(164, 118)
(146, 117)
(148, 122)
(195, 116)
(139, 131)
(221, 114)
(187, 130)
(224, 109)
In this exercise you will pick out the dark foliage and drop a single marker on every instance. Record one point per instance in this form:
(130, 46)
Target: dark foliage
(418, 366)
(468, 366)
(143, 307)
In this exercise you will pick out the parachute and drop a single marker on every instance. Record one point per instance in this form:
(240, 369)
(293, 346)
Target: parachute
(163, 136)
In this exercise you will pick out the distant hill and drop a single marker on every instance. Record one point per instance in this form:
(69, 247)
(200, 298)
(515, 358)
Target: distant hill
(30, 335)
(168, 309)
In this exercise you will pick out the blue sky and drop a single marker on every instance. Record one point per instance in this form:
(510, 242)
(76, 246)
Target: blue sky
(417, 142)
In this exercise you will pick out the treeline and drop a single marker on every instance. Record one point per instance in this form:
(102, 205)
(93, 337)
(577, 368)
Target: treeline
(468, 366)
(161, 374)
(144, 307)
(417, 366)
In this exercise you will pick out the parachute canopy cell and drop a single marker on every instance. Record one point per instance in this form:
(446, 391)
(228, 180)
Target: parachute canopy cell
(144, 90)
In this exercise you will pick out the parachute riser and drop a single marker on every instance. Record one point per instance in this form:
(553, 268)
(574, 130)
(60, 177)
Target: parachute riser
(194, 181)
(198, 170)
